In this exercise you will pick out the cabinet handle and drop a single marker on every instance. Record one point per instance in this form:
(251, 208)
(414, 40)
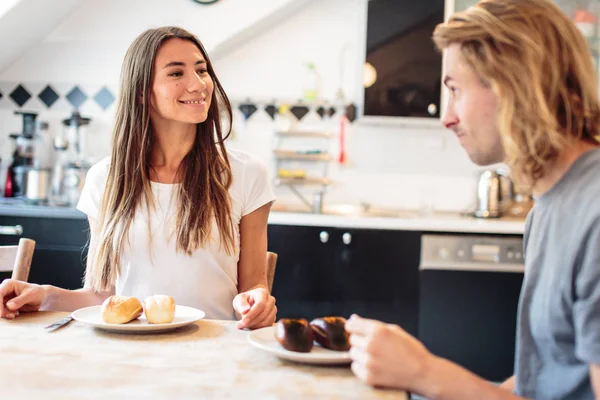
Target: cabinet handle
(16, 230)
(324, 237)
(347, 238)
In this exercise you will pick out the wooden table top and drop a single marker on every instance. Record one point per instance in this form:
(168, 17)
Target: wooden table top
(208, 359)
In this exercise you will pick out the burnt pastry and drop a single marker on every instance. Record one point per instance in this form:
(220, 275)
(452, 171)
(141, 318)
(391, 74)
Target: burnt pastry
(294, 334)
(330, 332)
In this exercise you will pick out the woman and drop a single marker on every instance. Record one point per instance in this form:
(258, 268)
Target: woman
(171, 211)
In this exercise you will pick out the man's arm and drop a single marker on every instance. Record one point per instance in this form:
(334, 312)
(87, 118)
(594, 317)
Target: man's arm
(448, 381)
(386, 355)
(595, 378)
(509, 384)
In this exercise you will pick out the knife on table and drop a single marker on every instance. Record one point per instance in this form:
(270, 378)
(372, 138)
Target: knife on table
(59, 324)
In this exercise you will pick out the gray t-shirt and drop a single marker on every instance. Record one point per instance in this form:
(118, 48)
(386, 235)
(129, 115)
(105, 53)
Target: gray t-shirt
(558, 331)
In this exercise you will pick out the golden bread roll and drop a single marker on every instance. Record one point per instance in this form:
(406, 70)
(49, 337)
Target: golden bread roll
(121, 309)
(159, 309)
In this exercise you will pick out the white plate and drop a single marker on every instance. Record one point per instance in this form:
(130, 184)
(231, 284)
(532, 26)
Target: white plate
(183, 316)
(265, 339)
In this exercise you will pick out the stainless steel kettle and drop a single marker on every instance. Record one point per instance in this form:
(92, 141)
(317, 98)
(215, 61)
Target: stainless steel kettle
(495, 192)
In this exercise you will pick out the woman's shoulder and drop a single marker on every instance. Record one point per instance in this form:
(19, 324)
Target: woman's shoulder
(99, 171)
(243, 163)
(239, 156)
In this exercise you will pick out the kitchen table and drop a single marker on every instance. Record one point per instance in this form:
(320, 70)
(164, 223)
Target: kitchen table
(208, 359)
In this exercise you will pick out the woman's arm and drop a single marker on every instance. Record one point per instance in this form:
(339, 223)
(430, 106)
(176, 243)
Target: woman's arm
(254, 302)
(17, 296)
(252, 266)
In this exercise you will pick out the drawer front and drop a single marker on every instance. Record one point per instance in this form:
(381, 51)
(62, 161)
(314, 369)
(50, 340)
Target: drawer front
(45, 231)
(63, 267)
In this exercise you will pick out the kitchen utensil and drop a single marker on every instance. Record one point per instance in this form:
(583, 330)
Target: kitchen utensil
(57, 195)
(37, 185)
(92, 316)
(494, 192)
(264, 339)
(59, 324)
(73, 180)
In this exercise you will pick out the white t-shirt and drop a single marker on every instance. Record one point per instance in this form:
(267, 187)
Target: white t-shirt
(208, 278)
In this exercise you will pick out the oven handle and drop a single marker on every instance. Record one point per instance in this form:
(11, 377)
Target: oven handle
(472, 267)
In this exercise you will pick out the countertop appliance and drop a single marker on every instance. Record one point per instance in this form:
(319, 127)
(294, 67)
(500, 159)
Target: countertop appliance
(495, 191)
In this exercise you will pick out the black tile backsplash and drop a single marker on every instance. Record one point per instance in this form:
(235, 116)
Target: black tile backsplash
(20, 95)
(48, 96)
(76, 97)
(105, 98)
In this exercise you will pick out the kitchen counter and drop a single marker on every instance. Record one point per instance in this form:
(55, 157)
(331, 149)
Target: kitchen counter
(208, 360)
(437, 222)
(13, 208)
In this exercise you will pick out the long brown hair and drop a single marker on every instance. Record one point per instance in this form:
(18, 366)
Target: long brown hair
(540, 67)
(204, 173)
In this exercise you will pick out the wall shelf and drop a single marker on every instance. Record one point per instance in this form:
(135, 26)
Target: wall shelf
(292, 155)
(306, 134)
(302, 181)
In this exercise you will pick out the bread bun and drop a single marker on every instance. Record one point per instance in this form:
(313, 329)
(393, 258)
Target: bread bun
(159, 309)
(121, 309)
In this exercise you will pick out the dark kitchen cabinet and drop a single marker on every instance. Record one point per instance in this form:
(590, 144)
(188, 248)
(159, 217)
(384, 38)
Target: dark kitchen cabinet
(336, 271)
(60, 250)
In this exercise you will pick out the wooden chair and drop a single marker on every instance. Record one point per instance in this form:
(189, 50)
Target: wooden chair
(271, 264)
(17, 259)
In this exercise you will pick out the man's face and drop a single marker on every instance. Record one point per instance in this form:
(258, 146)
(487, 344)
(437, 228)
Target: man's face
(472, 110)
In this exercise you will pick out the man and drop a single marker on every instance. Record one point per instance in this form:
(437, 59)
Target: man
(522, 91)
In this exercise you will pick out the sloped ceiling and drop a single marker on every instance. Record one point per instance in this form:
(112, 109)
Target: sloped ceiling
(29, 22)
(25, 22)
(248, 33)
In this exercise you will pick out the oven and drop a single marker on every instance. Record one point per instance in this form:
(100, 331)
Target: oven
(469, 287)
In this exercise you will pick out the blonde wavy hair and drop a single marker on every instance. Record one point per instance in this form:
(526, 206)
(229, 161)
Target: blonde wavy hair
(540, 67)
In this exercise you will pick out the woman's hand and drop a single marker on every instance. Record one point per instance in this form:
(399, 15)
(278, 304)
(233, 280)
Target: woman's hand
(254, 301)
(17, 296)
(257, 308)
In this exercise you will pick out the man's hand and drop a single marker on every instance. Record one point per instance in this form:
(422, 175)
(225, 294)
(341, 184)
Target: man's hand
(386, 355)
